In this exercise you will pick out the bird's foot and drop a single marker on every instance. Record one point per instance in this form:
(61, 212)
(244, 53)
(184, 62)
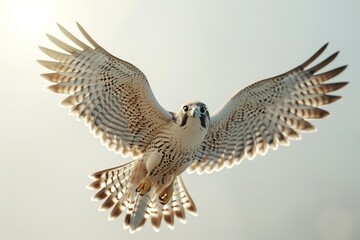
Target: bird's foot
(166, 194)
(144, 186)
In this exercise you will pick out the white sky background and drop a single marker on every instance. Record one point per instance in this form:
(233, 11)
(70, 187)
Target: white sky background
(189, 50)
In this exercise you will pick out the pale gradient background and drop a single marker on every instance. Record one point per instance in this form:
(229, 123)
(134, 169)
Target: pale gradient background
(203, 50)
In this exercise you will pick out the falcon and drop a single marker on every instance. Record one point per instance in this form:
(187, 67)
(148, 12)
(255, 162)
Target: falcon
(115, 100)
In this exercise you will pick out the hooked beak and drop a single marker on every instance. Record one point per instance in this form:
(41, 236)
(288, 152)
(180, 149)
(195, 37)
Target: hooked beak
(194, 112)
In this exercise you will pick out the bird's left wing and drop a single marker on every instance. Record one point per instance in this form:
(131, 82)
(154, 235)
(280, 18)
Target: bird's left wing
(266, 114)
(111, 95)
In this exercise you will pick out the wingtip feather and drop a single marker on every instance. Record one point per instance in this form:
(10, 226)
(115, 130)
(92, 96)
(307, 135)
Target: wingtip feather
(314, 56)
(54, 88)
(87, 36)
(322, 64)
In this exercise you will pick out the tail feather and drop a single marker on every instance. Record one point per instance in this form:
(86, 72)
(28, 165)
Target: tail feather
(168, 216)
(156, 214)
(121, 204)
(118, 190)
(176, 207)
(138, 214)
(186, 200)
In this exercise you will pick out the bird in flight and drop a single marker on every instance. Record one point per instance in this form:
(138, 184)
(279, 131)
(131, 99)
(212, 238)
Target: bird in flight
(115, 100)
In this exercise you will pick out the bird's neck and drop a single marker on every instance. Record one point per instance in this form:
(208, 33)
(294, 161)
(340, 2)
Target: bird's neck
(191, 135)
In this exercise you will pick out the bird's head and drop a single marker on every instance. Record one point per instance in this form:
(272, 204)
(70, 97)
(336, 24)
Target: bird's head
(193, 113)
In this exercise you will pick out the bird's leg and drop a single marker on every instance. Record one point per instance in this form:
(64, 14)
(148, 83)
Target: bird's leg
(166, 194)
(144, 185)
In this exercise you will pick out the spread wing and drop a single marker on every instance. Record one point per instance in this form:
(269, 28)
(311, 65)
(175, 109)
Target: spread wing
(267, 114)
(111, 95)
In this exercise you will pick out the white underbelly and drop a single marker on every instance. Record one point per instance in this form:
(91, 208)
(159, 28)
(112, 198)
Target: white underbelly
(174, 154)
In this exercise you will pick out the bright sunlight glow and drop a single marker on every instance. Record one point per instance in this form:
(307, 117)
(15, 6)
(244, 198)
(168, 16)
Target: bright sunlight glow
(29, 16)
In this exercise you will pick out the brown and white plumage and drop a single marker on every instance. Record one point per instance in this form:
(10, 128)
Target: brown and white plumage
(115, 100)
(111, 95)
(267, 114)
(117, 189)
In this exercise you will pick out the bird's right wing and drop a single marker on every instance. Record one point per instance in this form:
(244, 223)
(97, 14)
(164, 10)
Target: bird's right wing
(266, 114)
(111, 95)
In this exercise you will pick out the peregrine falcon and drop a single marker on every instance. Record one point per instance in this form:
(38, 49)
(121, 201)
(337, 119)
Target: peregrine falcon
(115, 100)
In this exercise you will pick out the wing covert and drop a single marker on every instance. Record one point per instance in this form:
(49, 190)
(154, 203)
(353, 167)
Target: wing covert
(267, 114)
(111, 95)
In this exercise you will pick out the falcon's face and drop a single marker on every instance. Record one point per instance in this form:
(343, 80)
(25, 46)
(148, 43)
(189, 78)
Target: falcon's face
(194, 113)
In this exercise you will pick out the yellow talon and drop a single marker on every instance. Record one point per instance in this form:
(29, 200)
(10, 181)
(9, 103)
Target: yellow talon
(166, 194)
(144, 186)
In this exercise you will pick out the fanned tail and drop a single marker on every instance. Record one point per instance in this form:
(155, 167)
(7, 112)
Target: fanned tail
(117, 188)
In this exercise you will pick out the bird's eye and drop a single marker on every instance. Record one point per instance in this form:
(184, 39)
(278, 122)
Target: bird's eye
(203, 109)
(185, 108)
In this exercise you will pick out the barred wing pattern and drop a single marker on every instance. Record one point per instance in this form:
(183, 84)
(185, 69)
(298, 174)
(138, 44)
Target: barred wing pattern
(267, 114)
(111, 95)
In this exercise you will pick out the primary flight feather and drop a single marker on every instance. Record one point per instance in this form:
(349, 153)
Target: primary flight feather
(116, 102)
